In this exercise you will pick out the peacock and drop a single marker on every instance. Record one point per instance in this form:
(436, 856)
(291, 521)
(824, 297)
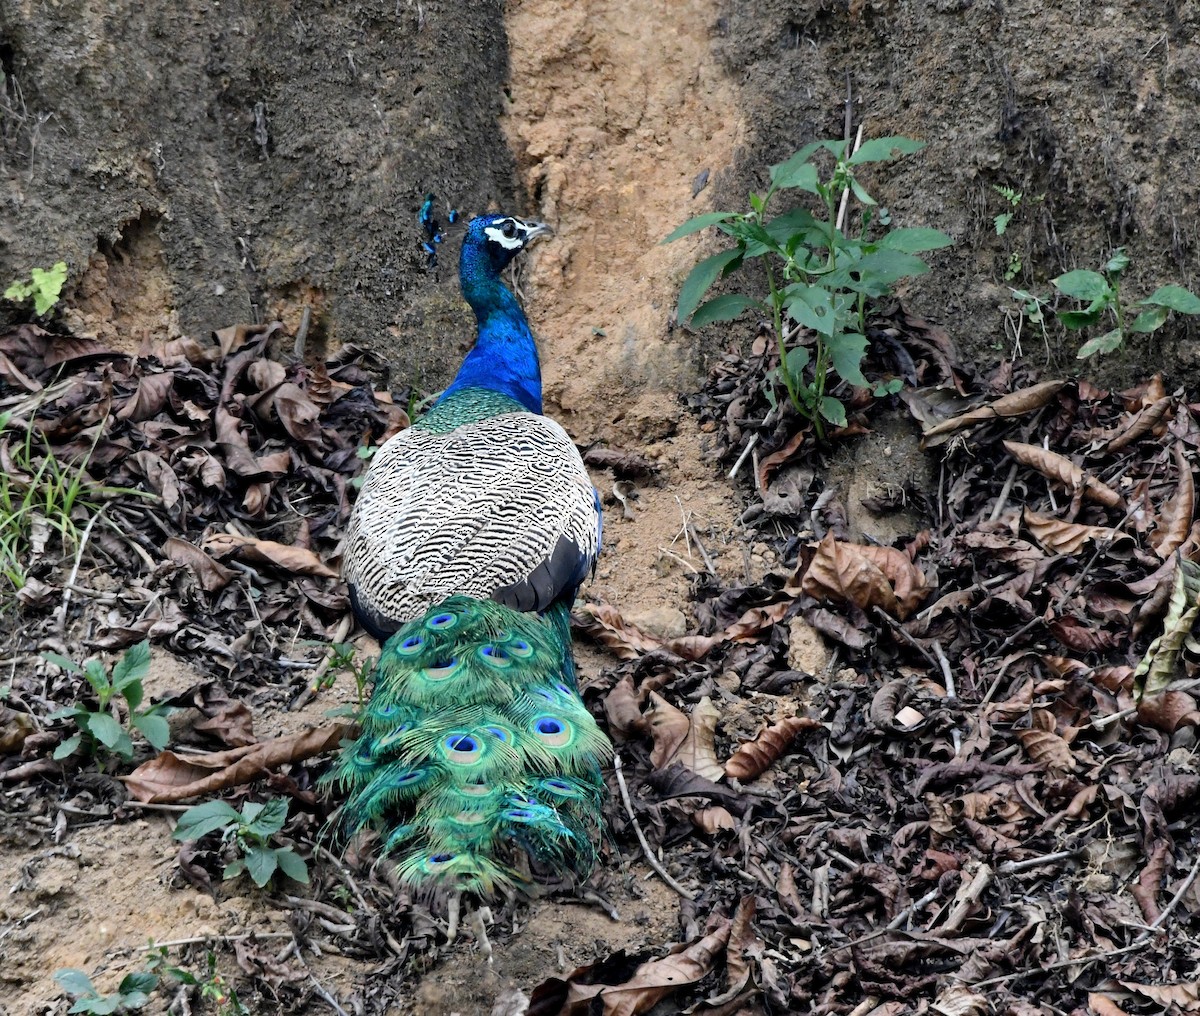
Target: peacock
(468, 541)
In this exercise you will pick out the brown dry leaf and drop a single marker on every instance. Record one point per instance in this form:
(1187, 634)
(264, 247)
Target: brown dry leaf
(603, 623)
(1169, 711)
(160, 477)
(651, 982)
(755, 757)
(960, 1000)
(1018, 403)
(744, 945)
(1061, 537)
(698, 751)
(149, 398)
(1141, 423)
(713, 819)
(1156, 670)
(1062, 470)
(862, 575)
(668, 726)
(15, 727)
(769, 463)
(1046, 748)
(623, 712)
(212, 574)
(169, 777)
(1102, 1005)
(299, 415)
(1175, 519)
(297, 560)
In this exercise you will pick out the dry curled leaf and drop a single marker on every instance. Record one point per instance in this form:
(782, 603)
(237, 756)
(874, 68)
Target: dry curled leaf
(1048, 749)
(698, 750)
(297, 560)
(212, 574)
(169, 777)
(1140, 424)
(604, 623)
(1175, 519)
(863, 575)
(755, 757)
(1018, 403)
(1059, 537)
(1062, 470)
(668, 726)
(1156, 670)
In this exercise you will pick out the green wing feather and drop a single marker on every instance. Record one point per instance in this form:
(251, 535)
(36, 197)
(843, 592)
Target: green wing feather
(475, 745)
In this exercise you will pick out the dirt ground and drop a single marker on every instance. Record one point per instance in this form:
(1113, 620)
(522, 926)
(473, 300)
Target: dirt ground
(598, 116)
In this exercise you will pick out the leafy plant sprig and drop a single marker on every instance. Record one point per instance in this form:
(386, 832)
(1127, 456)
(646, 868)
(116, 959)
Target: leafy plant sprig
(344, 660)
(818, 277)
(99, 725)
(1101, 291)
(132, 993)
(250, 831)
(43, 284)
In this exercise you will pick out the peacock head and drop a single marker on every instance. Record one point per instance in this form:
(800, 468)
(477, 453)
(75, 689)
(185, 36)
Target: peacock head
(492, 241)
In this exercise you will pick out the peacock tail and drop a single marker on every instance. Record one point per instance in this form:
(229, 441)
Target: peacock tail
(468, 541)
(476, 747)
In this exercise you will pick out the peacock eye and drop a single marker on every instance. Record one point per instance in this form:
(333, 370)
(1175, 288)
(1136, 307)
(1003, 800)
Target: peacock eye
(510, 229)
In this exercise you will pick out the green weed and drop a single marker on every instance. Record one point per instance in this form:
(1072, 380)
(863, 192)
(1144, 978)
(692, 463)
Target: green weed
(344, 661)
(1101, 291)
(99, 725)
(250, 831)
(132, 993)
(212, 985)
(44, 285)
(818, 277)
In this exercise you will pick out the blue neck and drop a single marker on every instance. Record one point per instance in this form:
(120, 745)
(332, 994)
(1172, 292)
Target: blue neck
(504, 358)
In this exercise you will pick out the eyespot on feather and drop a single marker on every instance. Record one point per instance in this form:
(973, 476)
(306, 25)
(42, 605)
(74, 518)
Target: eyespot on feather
(442, 622)
(552, 731)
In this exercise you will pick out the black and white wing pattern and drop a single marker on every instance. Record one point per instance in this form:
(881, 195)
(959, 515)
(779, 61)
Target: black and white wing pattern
(499, 508)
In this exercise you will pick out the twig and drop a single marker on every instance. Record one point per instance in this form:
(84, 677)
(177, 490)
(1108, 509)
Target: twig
(737, 466)
(708, 563)
(841, 215)
(333, 859)
(1002, 500)
(61, 622)
(650, 858)
(310, 689)
(1013, 867)
(320, 990)
(198, 939)
(302, 332)
(687, 564)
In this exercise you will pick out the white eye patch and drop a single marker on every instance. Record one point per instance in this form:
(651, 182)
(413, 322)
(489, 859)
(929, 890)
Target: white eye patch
(507, 242)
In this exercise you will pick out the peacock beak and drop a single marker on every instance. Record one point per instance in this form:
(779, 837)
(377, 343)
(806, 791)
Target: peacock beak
(536, 230)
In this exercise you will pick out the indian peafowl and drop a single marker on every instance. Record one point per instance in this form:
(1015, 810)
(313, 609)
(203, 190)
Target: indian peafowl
(472, 532)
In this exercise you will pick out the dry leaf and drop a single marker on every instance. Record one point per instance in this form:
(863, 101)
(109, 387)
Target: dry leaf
(668, 726)
(603, 623)
(624, 714)
(713, 819)
(697, 751)
(1175, 519)
(212, 574)
(296, 560)
(1143, 422)
(863, 575)
(149, 397)
(754, 758)
(1062, 470)
(1018, 403)
(1156, 670)
(1046, 748)
(1061, 537)
(169, 777)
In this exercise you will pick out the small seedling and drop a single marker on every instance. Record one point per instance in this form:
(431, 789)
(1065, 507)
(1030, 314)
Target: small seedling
(344, 661)
(100, 725)
(132, 993)
(818, 277)
(1001, 221)
(250, 831)
(212, 985)
(44, 285)
(1101, 291)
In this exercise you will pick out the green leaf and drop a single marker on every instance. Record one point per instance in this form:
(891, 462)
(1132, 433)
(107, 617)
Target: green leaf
(882, 150)
(797, 359)
(1117, 263)
(1077, 319)
(1159, 667)
(104, 729)
(154, 728)
(202, 819)
(267, 818)
(914, 241)
(1001, 221)
(61, 661)
(698, 223)
(1105, 343)
(1174, 297)
(133, 693)
(846, 352)
(757, 203)
(97, 677)
(1083, 285)
(873, 274)
(722, 308)
(139, 980)
(811, 306)
(233, 869)
(47, 285)
(101, 1005)
(1149, 320)
(796, 173)
(74, 982)
(757, 240)
(134, 999)
(833, 410)
(798, 222)
(860, 192)
(261, 863)
(19, 291)
(292, 865)
(68, 747)
(701, 277)
(134, 665)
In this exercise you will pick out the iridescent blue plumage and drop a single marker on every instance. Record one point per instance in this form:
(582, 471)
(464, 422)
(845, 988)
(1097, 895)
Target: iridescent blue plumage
(471, 534)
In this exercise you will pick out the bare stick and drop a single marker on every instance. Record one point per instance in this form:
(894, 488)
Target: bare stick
(61, 622)
(650, 858)
(302, 332)
(310, 691)
(841, 215)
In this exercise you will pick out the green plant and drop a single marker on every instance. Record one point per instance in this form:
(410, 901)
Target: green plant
(212, 985)
(343, 661)
(132, 993)
(250, 831)
(44, 285)
(1014, 198)
(40, 496)
(99, 725)
(818, 277)
(1101, 291)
